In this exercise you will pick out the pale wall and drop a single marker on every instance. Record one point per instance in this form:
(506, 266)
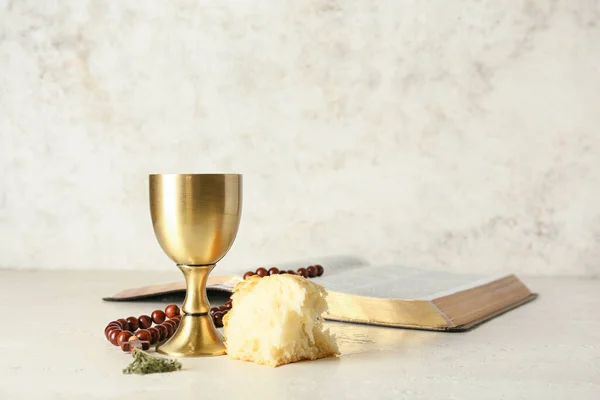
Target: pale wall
(461, 134)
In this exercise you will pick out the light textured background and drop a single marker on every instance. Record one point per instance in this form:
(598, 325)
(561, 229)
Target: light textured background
(462, 135)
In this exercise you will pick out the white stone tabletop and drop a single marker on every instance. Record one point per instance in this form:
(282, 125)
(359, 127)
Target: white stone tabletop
(52, 346)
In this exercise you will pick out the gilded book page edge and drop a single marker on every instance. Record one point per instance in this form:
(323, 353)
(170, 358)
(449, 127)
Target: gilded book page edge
(388, 312)
(456, 329)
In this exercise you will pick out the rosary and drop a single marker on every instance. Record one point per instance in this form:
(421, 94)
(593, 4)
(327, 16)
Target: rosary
(130, 333)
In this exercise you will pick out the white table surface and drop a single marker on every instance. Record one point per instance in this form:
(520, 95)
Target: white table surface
(53, 346)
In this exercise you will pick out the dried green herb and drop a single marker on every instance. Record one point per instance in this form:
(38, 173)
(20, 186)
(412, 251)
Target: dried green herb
(144, 363)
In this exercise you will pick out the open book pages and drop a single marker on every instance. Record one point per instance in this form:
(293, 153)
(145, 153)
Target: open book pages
(390, 295)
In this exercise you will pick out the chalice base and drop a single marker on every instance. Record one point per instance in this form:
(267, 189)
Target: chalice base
(196, 337)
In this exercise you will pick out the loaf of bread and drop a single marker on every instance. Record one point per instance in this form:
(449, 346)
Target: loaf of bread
(277, 320)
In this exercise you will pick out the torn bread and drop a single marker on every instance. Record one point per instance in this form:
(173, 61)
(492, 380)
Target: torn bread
(277, 320)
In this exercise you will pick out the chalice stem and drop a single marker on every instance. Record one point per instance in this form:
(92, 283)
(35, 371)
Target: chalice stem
(196, 302)
(197, 335)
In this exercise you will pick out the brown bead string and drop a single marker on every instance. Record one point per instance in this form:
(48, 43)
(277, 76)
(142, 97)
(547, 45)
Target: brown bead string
(131, 332)
(308, 272)
(217, 313)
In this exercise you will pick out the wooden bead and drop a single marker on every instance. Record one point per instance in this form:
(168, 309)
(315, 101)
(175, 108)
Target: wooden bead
(283, 271)
(172, 310)
(133, 324)
(163, 331)
(214, 310)
(154, 334)
(158, 316)
(112, 328)
(292, 272)
(114, 323)
(108, 329)
(303, 272)
(144, 322)
(229, 304)
(262, 272)
(218, 319)
(170, 329)
(123, 337)
(223, 308)
(312, 271)
(143, 334)
(112, 337)
(124, 324)
(170, 322)
(248, 274)
(320, 270)
(273, 271)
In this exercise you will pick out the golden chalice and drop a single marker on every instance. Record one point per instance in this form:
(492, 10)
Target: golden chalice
(195, 219)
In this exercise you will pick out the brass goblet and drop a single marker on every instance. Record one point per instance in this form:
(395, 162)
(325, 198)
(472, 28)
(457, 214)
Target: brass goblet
(195, 219)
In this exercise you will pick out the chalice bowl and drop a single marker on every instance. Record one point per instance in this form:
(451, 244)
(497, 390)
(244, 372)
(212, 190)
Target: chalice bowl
(195, 219)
